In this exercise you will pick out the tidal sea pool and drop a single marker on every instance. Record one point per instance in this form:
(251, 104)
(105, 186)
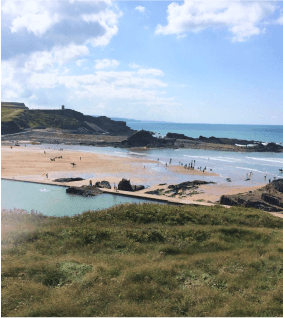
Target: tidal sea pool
(54, 201)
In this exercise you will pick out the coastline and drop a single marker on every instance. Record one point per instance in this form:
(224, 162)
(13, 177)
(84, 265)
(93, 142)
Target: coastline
(32, 165)
(176, 141)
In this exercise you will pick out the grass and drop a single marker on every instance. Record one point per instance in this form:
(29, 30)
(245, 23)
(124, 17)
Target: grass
(9, 114)
(35, 118)
(143, 260)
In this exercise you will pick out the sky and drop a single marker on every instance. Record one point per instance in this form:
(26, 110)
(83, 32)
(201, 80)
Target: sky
(218, 62)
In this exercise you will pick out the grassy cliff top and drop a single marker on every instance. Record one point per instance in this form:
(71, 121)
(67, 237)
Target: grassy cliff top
(143, 260)
(8, 114)
(35, 118)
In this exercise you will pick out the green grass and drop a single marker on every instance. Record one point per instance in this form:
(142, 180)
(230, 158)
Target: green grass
(38, 118)
(9, 114)
(143, 260)
(35, 118)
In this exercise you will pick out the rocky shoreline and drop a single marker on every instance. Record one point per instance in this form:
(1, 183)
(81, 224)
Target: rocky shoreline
(139, 139)
(269, 198)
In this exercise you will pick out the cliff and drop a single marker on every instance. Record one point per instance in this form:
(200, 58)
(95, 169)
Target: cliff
(18, 120)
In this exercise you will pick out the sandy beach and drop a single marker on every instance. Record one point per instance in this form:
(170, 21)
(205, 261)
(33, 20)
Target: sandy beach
(35, 164)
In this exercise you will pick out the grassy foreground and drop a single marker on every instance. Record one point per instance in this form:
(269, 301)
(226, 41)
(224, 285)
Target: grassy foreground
(143, 260)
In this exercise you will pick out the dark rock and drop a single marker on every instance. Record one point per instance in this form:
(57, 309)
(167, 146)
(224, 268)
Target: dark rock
(156, 192)
(68, 179)
(188, 185)
(278, 184)
(103, 184)
(85, 191)
(138, 187)
(125, 185)
(178, 136)
(141, 138)
(145, 138)
(270, 199)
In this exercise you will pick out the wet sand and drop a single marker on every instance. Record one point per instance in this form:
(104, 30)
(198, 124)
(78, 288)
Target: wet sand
(32, 164)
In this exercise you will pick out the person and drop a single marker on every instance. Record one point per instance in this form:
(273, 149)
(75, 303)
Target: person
(47, 175)
(90, 183)
(80, 158)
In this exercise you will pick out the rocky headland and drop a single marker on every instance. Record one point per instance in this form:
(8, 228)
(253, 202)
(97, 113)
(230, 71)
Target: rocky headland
(67, 126)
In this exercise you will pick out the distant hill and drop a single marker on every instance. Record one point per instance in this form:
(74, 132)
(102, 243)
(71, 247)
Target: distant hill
(17, 120)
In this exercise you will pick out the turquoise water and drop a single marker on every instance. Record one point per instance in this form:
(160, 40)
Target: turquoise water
(264, 133)
(53, 200)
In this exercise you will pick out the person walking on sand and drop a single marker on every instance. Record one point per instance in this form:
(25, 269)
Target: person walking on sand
(47, 175)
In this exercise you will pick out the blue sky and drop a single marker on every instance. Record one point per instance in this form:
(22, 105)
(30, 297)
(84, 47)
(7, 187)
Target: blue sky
(187, 62)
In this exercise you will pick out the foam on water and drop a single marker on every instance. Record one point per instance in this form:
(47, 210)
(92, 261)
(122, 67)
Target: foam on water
(44, 190)
(272, 160)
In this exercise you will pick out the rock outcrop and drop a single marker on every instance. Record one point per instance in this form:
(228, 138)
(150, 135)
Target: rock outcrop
(67, 179)
(178, 136)
(125, 185)
(85, 191)
(268, 198)
(180, 188)
(103, 184)
(143, 138)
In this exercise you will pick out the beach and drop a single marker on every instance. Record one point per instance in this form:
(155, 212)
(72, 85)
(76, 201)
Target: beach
(34, 164)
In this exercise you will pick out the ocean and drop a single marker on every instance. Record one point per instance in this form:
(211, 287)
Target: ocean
(235, 165)
(264, 133)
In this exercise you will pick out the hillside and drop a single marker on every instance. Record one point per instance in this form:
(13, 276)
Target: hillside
(18, 120)
(143, 260)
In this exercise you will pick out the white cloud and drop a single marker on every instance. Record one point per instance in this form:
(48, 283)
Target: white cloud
(280, 20)
(242, 19)
(80, 62)
(33, 97)
(151, 71)
(134, 65)
(108, 20)
(44, 24)
(39, 61)
(105, 63)
(140, 9)
(31, 15)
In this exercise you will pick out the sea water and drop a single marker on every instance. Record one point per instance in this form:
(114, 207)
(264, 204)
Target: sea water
(264, 133)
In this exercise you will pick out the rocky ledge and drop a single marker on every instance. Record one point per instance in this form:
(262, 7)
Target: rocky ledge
(184, 188)
(68, 179)
(85, 191)
(269, 198)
